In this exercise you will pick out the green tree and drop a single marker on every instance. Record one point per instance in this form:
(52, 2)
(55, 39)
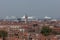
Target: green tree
(3, 34)
(46, 31)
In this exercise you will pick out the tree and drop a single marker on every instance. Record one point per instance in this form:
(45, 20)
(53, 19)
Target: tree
(3, 34)
(46, 31)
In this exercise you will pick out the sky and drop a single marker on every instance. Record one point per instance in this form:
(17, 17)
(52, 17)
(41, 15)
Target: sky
(37, 8)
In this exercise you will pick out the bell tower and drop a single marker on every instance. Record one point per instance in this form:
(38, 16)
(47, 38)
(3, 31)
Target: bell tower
(26, 18)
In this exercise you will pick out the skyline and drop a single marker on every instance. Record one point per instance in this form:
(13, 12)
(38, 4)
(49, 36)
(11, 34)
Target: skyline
(37, 8)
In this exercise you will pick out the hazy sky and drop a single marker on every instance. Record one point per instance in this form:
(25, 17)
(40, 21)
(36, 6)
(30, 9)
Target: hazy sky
(38, 8)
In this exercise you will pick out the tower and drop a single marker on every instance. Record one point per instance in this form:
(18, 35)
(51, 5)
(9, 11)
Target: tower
(26, 18)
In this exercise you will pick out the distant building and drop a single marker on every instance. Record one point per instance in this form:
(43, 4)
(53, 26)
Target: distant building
(30, 30)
